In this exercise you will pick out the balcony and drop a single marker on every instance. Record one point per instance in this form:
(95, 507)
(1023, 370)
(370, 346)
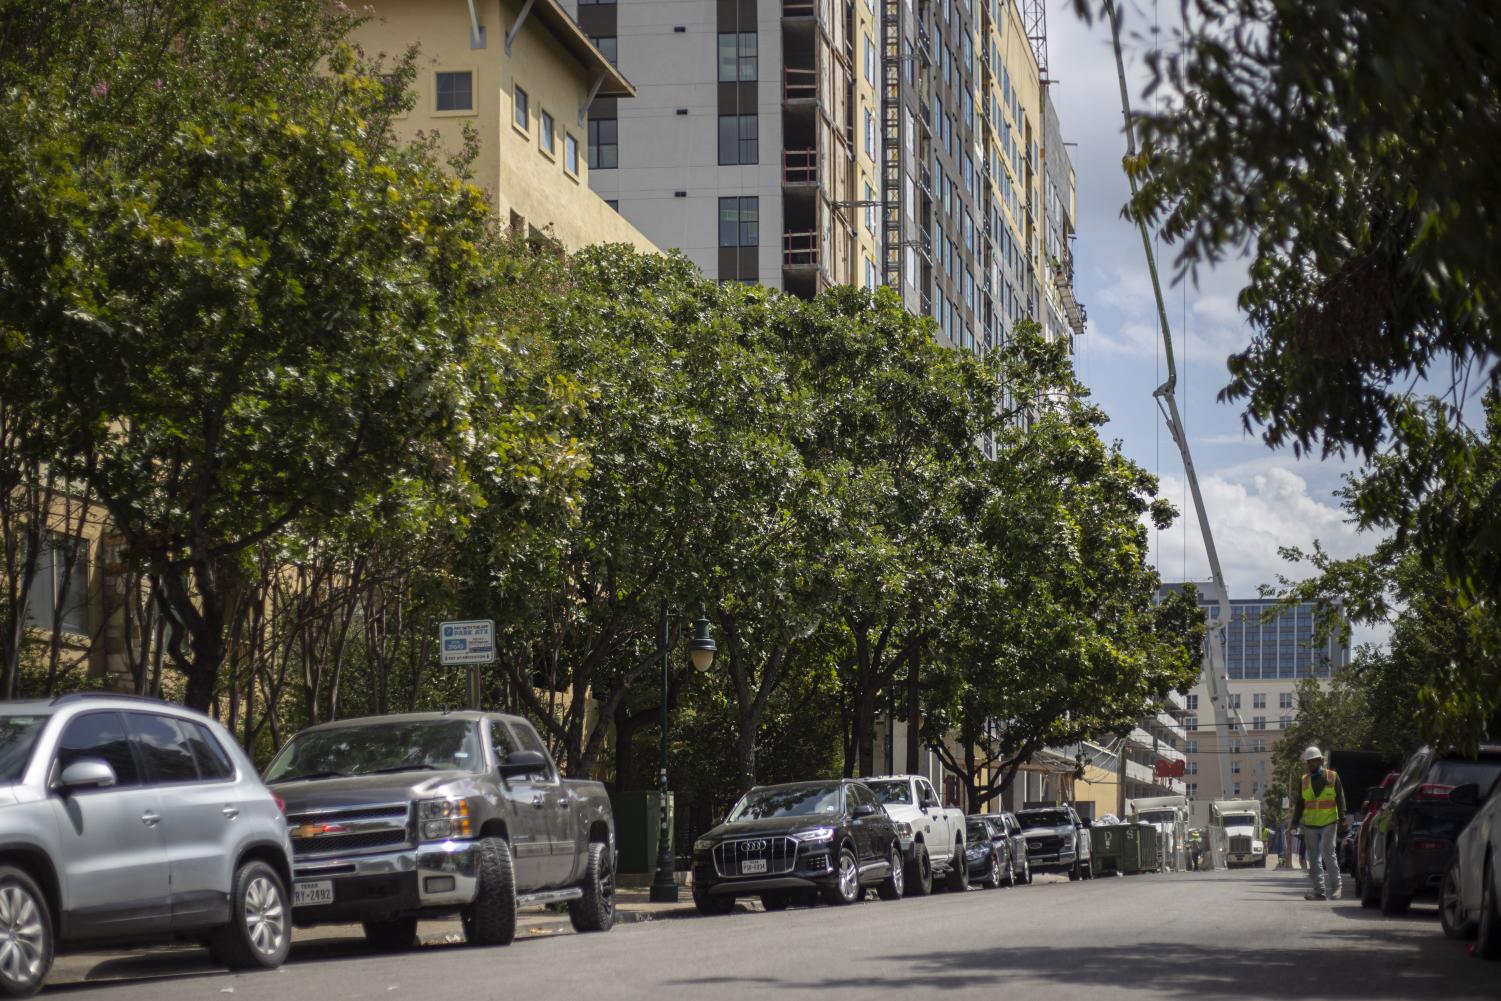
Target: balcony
(800, 249)
(799, 84)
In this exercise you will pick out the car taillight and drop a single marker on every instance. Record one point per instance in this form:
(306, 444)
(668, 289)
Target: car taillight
(1432, 790)
(1430, 846)
(281, 804)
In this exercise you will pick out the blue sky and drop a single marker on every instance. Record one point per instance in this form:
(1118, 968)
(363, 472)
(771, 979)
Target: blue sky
(1257, 498)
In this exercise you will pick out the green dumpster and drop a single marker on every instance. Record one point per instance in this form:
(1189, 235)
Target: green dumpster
(638, 828)
(1107, 845)
(1131, 849)
(1146, 840)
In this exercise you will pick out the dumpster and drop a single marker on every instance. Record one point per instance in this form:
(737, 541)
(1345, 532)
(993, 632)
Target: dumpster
(1131, 849)
(1148, 856)
(1106, 845)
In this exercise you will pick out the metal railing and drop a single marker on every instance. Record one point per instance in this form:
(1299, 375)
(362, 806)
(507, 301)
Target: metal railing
(800, 250)
(800, 166)
(799, 84)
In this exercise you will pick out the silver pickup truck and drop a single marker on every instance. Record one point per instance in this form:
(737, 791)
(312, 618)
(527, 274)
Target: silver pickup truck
(394, 819)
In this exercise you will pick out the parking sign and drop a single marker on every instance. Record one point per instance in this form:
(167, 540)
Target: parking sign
(467, 641)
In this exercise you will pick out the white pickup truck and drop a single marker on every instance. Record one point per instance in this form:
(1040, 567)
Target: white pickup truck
(931, 834)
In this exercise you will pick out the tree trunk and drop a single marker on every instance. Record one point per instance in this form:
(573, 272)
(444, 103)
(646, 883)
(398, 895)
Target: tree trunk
(914, 712)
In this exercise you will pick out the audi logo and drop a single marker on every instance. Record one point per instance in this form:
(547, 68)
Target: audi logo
(754, 846)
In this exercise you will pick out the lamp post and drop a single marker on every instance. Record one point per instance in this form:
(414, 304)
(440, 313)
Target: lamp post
(701, 650)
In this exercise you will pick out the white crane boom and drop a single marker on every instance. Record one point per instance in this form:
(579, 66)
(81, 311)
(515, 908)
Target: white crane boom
(1167, 403)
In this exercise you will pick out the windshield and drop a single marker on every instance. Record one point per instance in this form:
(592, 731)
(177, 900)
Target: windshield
(892, 792)
(369, 748)
(1044, 818)
(1158, 817)
(1240, 820)
(787, 801)
(17, 737)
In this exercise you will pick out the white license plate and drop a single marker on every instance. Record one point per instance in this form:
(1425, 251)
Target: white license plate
(312, 894)
(751, 866)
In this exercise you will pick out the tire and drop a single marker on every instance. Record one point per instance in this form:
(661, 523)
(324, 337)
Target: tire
(1450, 912)
(993, 877)
(895, 883)
(1027, 871)
(23, 905)
(1488, 928)
(714, 907)
(846, 889)
(491, 919)
(259, 933)
(1393, 901)
(1011, 879)
(392, 936)
(920, 873)
(775, 901)
(595, 910)
(1073, 872)
(958, 878)
(1370, 893)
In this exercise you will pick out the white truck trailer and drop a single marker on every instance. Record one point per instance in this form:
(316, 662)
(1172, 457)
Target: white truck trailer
(1235, 832)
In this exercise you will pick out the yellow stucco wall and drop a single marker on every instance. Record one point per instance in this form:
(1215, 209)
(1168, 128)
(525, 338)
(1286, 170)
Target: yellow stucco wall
(526, 183)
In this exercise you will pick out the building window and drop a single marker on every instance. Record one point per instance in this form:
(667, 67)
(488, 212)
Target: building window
(1235, 701)
(604, 140)
(1258, 746)
(545, 137)
(1258, 722)
(1193, 768)
(1258, 701)
(870, 210)
(1235, 747)
(738, 140)
(870, 135)
(1191, 747)
(456, 91)
(1193, 789)
(870, 61)
(737, 56)
(570, 154)
(1285, 700)
(59, 594)
(1190, 723)
(614, 203)
(739, 222)
(519, 113)
(1235, 791)
(1193, 703)
(608, 47)
(1283, 722)
(1234, 766)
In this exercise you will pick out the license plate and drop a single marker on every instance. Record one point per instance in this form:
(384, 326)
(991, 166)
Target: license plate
(752, 865)
(311, 894)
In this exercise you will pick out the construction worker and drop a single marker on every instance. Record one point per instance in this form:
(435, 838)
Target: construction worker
(1320, 808)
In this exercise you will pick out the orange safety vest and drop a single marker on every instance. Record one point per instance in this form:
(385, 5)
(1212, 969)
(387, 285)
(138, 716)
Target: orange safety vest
(1322, 809)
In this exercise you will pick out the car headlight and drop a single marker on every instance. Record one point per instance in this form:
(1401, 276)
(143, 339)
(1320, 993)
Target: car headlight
(903, 828)
(702, 845)
(442, 819)
(1258, 846)
(816, 836)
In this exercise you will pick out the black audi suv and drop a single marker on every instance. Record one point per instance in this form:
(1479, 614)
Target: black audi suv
(804, 839)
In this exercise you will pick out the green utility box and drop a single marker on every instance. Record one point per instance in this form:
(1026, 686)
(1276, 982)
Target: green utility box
(1147, 859)
(638, 819)
(1107, 843)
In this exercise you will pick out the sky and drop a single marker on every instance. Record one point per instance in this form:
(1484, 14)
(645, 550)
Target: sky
(1257, 499)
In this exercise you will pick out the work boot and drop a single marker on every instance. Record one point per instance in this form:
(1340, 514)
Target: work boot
(1314, 896)
(1337, 892)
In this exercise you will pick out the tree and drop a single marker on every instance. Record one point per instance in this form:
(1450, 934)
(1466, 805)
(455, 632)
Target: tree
(250, 304)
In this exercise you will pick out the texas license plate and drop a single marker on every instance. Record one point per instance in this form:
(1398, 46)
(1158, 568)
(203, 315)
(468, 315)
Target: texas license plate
(311, 894)
(751, 866)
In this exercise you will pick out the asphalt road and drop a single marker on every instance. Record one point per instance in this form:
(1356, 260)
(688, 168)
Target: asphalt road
(1246, 934)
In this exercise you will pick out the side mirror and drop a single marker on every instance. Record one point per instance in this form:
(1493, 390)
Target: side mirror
(522, 763)
(85, 773)
(1465, 795)
(863, 810)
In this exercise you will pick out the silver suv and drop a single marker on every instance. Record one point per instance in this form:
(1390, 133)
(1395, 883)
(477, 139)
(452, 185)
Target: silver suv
(128, 820)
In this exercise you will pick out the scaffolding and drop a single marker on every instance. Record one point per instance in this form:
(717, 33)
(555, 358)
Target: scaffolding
(891, 143)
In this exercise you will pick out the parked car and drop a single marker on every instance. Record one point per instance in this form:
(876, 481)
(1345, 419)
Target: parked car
(932, 834)
(1374, 797)
(799, 841)
(397, 819)
(1347, 843)
(1056, 841)
(997, 850)
(1412, 843)
(1470, 899)
(132, 821)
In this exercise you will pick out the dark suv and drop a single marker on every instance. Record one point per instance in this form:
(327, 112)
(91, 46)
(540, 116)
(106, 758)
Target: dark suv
(799, 840)
(1412, 835)
(1001, 835)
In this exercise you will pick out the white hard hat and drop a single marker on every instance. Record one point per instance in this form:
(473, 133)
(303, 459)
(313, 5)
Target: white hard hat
(1312, 752)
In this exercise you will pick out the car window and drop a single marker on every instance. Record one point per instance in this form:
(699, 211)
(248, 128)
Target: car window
(500, 737)
(101, 736)
(526, 739)
(213, 762)
(165, 748)
(892, 791)
(926, 794)
(18, 735)
(1415, 767)
(864, 797)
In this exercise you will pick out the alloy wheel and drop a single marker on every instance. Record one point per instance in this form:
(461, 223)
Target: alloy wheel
(22, 938)
(265, 916)
(898, 873)
(849, 876)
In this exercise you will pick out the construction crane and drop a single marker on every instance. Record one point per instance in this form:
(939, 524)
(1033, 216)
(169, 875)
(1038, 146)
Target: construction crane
(1226, 722)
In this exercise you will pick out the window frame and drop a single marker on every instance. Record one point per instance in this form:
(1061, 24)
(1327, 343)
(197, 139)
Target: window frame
(438, 75)
(740, 141)
(521, 102)
(741, 57)
(55, 767)
(570, 154)
(740, 223)
(150, 778)
(595, 146)
(547, 134)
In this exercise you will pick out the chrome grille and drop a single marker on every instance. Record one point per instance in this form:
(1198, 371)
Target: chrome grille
(1240, 845)
(779, 854)
(320, 833)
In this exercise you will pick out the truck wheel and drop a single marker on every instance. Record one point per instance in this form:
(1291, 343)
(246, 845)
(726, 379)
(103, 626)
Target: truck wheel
(895, 883)
(391, 936)
(920, 873)
(958, 880)
(25, 964)
(712, 906)
(491, 919)
(846, 888)
(1073, 872)
(595, 910)
(259, 933)
(1393, 901)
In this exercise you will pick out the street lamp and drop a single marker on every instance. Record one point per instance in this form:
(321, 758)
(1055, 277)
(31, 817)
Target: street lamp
(701, 650)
